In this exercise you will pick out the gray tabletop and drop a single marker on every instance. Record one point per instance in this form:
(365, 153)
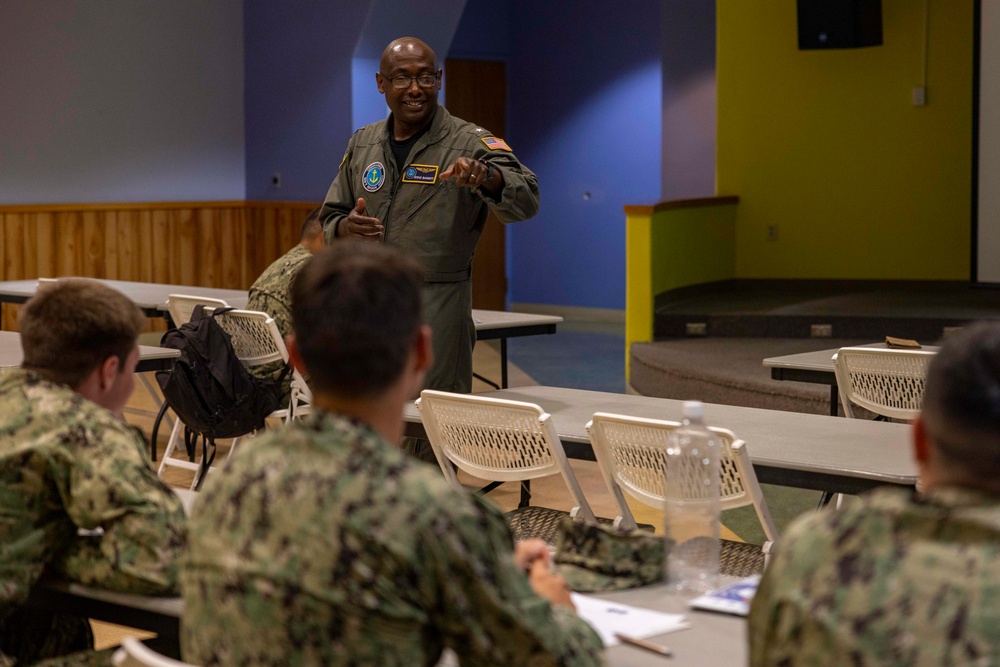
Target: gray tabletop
(490, 320)
(150, 358)
(819, 362)
(151, 297)
(787, 448)
(713, 639)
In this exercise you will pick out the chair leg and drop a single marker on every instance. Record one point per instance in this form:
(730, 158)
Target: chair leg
(525, 493)
(156, 431)
(175, 435)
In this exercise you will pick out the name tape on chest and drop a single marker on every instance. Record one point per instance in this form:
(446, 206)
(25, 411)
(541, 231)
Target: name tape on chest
(426, 174)
(495, 144)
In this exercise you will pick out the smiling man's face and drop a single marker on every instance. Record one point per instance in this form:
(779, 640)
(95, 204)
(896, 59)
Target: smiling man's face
(413, 106)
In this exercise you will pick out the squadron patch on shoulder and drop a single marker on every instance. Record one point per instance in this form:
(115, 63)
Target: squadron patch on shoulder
(495, 144)
(421, 173)
(374, 176)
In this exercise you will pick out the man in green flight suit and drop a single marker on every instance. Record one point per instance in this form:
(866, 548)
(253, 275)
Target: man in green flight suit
(424, 181)
(323, 544)
(69, 462)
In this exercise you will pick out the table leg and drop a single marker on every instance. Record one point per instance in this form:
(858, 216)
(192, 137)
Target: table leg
(503, 363)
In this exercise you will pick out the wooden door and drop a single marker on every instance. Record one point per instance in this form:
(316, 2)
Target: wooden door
(476, 91)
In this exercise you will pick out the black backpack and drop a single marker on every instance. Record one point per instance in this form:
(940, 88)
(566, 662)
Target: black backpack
(209, 388)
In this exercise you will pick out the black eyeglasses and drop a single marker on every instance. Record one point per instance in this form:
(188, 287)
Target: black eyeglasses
(403, 82)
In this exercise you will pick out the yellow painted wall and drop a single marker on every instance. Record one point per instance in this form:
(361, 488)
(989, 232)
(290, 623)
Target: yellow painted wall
(684, 242)
(828, 146)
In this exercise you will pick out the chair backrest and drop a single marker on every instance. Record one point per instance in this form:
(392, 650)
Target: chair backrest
(257, 341)
(180, 306)
(632, 454)
(885, 381)
(496, 439)
(133, 653)
(255, 336)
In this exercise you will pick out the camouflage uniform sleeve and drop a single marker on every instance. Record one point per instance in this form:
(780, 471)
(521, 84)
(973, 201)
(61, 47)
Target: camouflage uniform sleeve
(111, 486)
(277, 308)
(780, 623)
(519, 197)
(484, 604)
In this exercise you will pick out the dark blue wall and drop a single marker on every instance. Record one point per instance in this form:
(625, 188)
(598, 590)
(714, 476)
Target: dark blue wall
(585, 101)
(298, 93)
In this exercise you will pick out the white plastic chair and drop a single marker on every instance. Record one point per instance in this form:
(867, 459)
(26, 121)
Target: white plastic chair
(133, 653)
(181, 306)
(256, 341)
(632, 454)
(499, 440)
(887, 382)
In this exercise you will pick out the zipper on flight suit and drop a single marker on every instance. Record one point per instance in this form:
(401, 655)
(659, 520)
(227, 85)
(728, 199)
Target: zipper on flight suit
(392, 199)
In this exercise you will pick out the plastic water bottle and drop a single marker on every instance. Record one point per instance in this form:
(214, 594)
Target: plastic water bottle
(692, 508)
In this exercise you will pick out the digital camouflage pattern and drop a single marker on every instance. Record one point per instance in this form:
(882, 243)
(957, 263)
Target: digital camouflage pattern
(68, 464)
(901, 579)
(601, 558)
(271, 293)
(321, 544)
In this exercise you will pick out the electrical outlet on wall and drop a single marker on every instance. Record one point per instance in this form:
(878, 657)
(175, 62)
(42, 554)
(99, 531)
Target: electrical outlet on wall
(772, 232)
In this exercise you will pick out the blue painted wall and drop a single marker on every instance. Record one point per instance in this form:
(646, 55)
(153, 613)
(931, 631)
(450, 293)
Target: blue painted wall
(585, 98)
(298, 93)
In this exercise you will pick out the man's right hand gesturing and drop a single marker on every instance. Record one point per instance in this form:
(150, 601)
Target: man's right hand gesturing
(358, 224)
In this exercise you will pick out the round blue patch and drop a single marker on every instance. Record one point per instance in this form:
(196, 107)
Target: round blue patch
(411, 172)
(374, 176)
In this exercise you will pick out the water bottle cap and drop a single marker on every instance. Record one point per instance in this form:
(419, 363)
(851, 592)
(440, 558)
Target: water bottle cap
(693, 410)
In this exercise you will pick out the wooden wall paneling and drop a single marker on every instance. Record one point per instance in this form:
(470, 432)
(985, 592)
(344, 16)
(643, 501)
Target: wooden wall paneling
(262, 234)
(185, 249)
(161, 246)
(219, 244)
(131, 248)
(62, 249)
(208, 255)
(39, 233)
(96, 258)
(13, 263)
(228, 267)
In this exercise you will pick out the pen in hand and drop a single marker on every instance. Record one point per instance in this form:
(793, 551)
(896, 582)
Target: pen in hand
(641, 643)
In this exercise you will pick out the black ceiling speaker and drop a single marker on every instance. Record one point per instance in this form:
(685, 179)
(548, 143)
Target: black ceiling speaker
(839, 24)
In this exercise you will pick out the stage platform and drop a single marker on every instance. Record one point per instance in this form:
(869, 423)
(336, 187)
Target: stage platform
(922, 310)
(711, 340)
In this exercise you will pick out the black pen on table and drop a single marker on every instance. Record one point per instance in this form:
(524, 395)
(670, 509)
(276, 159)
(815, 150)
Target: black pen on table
(649, 646)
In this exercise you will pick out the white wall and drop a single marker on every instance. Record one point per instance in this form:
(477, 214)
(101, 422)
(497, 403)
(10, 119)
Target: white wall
(121, 100)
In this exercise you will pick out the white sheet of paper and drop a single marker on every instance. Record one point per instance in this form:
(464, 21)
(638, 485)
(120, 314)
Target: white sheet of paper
(609, 618)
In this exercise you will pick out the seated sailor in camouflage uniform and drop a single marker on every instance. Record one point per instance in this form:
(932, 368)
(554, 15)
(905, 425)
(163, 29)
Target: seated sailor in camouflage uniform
(324, 544)
(271, 293)
(69, 462)
(904, 577)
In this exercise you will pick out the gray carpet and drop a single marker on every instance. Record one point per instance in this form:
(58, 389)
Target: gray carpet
(729, 371)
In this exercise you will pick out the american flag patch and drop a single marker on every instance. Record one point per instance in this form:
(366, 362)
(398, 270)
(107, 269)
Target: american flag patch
(495, 144)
